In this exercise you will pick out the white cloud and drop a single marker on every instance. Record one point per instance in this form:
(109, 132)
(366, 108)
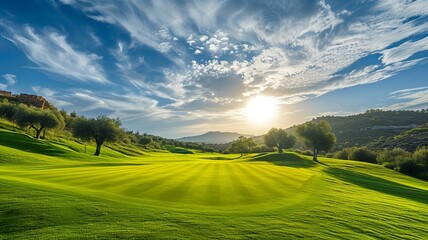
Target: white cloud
(51, 52)
(293, 50)
(404, 51)
(3, 86)
(46, 92)
(407, 90)
(10, 78)
(414, 100)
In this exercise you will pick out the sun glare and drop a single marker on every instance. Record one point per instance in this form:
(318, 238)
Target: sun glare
(261, 109)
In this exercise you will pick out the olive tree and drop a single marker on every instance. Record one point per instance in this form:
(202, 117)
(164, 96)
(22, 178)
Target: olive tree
(317, 136)
(279, 138)
(37, 119)
(99, 129)
(8, 110)
(242, 145)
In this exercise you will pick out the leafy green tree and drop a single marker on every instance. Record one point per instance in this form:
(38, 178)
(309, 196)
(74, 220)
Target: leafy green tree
(421, 155)
(8, 110)
(37, 119)
(242, 145)
(99, 129)
(279, 138)
(145, 140)
(317, 136)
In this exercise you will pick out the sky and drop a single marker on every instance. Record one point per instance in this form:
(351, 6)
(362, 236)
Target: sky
(179, 68)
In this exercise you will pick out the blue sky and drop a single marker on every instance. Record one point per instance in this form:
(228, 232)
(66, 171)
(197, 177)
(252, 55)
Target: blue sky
(176, 68)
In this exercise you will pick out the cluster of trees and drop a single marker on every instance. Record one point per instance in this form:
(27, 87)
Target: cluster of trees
(413, 164)
(99, 130)
(316, 135)
(37, 119)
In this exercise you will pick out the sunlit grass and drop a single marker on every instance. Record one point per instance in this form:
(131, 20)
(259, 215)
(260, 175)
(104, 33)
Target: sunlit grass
(54, 190)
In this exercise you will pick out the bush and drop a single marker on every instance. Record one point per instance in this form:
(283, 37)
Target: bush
(362, 154)
(395, 155)
(342, 154)
(421, 156)
(329, 155)
(410, 167)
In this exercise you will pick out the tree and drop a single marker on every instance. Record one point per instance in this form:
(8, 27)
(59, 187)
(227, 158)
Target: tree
(279, 138)
(8, 110)
(37, 119)
(242, 145)
(317, 136)
(100, 129)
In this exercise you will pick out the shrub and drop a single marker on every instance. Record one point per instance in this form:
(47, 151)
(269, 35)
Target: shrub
(394, 158)
(410, 167)
(362, 154)
(329, 155)
(421, 156)
(342, 154)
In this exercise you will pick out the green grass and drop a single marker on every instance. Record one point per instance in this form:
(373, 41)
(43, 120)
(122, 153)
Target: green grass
(51, 190)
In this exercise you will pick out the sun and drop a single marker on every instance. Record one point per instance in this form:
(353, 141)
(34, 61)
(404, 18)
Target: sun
(261, 109)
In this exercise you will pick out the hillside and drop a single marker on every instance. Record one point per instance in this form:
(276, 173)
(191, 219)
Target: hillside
(408, 140)
(56, 191)
(213, 137)
(361, 129)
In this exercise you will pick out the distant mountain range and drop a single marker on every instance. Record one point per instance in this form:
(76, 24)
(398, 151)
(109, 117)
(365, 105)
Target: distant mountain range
(213, 137)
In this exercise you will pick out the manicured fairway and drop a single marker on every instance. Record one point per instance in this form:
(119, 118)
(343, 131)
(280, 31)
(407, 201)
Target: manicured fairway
(53, 190)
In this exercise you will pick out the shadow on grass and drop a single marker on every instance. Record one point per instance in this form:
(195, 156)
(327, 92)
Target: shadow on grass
(100, 165)
(29, 144)
(285, 159)
(220, 158)
(380, 184)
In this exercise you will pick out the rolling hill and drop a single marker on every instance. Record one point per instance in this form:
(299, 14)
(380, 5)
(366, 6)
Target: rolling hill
(363, 128)
(213, 137)
(353, 130)
(53, 190)
(408, 140)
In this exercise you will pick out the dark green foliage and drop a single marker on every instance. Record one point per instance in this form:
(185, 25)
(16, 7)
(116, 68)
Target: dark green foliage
(409, 140)
(242, 145)
(362, 154)
(144, 140)
(279, 139)
(100, 129)
(404, 162)
(8, 110)
(179, 150)
(421, 156)
(361, 129)
(37, 119)
(317, 136)
(342, 154)
(393, 158)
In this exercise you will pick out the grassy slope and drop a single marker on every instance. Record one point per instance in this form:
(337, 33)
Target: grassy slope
(49, 190)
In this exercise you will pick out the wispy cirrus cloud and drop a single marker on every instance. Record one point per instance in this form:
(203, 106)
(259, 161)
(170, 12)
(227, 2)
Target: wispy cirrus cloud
(203, 60)
(10, 78)
(404, 51)
(51, 52)
(413, 98)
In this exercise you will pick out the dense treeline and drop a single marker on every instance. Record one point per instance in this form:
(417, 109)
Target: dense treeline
(413, 164)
